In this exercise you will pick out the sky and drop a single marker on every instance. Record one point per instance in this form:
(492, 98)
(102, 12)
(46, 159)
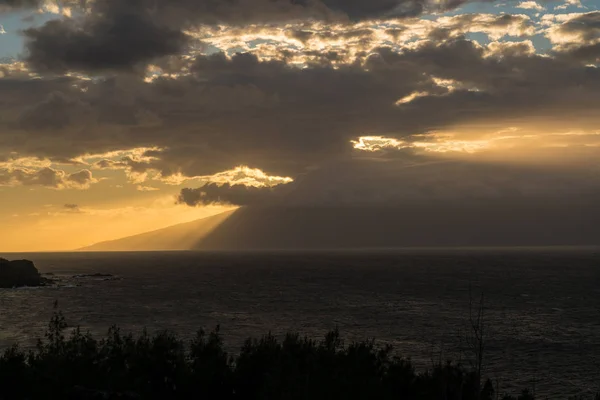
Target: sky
(120, 117)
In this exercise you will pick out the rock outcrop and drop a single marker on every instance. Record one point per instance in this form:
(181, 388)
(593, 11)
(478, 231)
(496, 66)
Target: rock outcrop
(19, 273)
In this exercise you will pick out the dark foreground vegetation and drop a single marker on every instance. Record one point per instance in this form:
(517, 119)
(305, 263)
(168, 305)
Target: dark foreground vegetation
(76, 366)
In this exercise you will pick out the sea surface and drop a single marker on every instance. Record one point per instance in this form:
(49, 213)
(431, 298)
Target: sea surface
(542, 306)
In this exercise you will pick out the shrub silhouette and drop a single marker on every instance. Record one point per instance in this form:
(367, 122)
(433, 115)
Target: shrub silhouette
(161, 366)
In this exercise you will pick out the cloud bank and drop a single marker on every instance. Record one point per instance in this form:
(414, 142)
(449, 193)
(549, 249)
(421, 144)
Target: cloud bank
(184, 92)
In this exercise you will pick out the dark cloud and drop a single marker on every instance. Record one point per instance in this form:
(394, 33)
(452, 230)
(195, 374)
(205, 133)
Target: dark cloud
(192, 12)
(586, 53)
(256, 11)
(101, 42)
(123, 35)
(361, 9)
(8, 4)
(354, 227)
(240, 195)
(578, 38)
(410, 180)
(11, 5)
(71, 208)
(215, 112)
(81, 178)
(20, 3)
(44, 177)
(111, 164)
(412, 200)
(56, 111)
(585, 26)
(284, 119)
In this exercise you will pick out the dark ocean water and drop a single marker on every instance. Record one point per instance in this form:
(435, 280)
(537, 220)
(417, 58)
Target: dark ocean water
(542, 305)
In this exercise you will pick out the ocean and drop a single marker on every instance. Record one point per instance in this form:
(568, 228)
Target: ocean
(542, 306)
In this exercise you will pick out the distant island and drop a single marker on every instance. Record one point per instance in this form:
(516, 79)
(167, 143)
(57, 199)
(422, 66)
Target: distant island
(353, 227)
(18, 273)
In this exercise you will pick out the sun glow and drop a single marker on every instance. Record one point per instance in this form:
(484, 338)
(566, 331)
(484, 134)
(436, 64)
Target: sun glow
(240, 175)
(378, 143)
(67, 227)
(411, 97)
(524, 145)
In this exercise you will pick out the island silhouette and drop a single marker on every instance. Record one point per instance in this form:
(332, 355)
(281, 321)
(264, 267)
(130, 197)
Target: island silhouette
(350, 227)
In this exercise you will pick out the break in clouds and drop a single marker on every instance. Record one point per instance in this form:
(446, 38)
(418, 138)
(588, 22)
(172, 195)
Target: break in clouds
(177, 92)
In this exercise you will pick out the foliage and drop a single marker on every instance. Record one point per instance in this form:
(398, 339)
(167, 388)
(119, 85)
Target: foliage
(77, 366)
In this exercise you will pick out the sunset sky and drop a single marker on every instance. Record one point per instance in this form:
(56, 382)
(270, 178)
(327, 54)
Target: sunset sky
(122, 116)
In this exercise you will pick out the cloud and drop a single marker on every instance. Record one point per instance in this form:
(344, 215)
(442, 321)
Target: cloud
(32, 171)
(111, 35)
(20, 3)
(586, 53)
(82, 178)
(409, 180)
(49, 6)
(511, 49)
(244, 175)
(307, 102)
(530, 5)
(254, 11)
(335, 44)
(71, 208)
(575, 36)
(226, 194)
(569, 3)
(220, 111)
(495, 26)
(142, 188)
(56, 111)
(240, 186)
(574, 28)
(47, 177)
(121, 41)
(13, 69)
(12, 4)
(366, 9)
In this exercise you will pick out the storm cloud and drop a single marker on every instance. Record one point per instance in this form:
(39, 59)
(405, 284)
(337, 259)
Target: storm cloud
(256, 11)
(288, 119)
(410, 181)
(122, 35)
(239, 195)
(105, 42)
(19, 4)
(289, 87)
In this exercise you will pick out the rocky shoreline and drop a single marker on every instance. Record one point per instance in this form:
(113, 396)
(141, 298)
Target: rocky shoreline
(19, 273)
